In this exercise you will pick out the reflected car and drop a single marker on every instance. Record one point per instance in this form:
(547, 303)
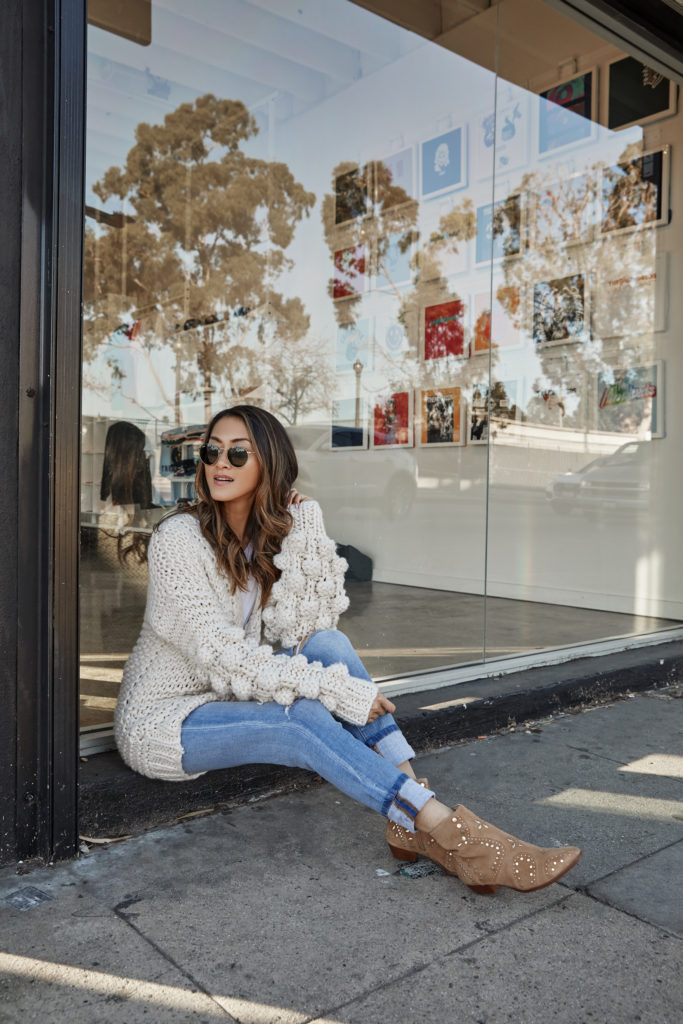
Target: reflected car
(383, 478)
(617, 481)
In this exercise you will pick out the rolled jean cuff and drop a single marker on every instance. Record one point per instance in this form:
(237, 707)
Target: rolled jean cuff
(407, 802)
(394, 747)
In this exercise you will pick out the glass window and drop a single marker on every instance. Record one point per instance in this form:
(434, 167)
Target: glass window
(449, 279)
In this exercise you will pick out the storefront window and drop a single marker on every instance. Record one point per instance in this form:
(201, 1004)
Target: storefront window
(449, 278)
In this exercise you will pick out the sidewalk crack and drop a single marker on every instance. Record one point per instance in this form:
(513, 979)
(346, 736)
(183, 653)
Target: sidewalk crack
(120, 911)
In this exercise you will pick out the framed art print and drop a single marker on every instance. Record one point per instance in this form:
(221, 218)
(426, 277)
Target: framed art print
(354, 343)
(443, 162)
(393, 260)
(444, 230)
(630, 401)
(349, 430)
(352, 195)
(568, 113)
(394, 180)
(637, 94)
(444, 329)
(510, 121)
(349, 272)
(499, 230)
(440, 417)
(632, 301)
(504, 319)
(560, 314)
(563, 212)
(392, 420)
(634, 192)
(491, 407)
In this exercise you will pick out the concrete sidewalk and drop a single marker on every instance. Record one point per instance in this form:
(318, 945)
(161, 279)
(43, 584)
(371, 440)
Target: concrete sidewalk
(292, 910)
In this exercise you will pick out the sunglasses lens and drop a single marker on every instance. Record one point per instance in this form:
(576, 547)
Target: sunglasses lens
(237, 456)
(208, 453)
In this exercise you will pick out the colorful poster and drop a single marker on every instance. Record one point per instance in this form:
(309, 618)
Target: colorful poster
(349, 272)
(440, 416)
(444, 330)
(566, 112)
(504, 318)
(394, 256)
(630, 401)
(559, 310)
(392, 420)
(351, 195)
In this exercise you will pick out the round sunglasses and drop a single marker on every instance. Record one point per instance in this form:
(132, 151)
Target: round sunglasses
(237, 454)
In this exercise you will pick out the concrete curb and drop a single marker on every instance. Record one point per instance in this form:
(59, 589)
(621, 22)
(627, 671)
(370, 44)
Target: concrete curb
(115, 801)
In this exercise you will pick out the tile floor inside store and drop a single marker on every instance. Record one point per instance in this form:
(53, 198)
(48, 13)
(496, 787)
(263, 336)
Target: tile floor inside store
(397, 629)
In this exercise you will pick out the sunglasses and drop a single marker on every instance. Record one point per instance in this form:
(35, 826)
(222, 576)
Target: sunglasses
(237, 455)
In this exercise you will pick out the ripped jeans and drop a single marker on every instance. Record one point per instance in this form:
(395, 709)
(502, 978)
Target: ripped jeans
(359, 760)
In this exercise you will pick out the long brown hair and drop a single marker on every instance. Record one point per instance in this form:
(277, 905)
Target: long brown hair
(269, 520)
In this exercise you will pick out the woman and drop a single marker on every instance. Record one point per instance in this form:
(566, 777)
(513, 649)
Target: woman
(200, 691)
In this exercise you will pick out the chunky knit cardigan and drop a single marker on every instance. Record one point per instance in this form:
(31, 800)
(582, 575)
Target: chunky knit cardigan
(192, 648)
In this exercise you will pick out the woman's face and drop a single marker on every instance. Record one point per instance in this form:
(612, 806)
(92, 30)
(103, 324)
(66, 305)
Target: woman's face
(229, 483)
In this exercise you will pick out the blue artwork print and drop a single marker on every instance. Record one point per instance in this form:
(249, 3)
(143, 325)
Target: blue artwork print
(393, 261)
(498, 230)
(353, 342)
(442, 162)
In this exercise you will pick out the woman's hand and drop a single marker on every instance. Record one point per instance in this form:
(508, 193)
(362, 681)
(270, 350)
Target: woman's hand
(381, 705)
(295, 498)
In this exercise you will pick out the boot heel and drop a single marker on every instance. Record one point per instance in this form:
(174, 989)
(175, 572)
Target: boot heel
(401, 854)
(484, 890)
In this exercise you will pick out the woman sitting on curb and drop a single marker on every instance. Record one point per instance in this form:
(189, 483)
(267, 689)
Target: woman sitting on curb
(201, 691)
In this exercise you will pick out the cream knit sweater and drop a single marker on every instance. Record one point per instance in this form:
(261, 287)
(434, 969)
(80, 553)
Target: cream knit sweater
(192, 648)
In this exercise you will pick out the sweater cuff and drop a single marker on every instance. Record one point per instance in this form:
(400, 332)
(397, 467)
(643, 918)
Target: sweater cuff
(353, 701)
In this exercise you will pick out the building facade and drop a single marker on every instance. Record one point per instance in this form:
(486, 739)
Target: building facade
(440, 241)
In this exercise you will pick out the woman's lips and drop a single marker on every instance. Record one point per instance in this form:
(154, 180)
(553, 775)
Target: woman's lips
(222, 479)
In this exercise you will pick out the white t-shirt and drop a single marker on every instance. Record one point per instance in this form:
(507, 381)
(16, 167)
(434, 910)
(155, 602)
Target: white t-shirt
(250, 594)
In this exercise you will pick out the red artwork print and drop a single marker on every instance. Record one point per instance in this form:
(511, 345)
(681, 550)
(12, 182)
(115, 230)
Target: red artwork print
(392, 419)
(444, 330)
(349, 272)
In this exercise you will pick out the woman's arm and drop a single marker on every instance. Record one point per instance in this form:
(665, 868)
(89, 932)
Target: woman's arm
(185, 609)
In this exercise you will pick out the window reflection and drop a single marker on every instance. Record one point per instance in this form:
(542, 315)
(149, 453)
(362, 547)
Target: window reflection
(452, 289)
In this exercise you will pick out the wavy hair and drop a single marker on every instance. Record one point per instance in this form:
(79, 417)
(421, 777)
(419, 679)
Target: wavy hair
(269, 520)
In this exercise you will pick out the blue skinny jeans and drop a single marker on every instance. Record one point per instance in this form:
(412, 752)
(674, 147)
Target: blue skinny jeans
(359, 760)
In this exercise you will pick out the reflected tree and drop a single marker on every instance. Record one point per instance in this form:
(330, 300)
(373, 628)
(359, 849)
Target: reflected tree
(190, 266)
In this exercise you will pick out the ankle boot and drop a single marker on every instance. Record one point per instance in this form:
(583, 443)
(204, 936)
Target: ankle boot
(481, 855)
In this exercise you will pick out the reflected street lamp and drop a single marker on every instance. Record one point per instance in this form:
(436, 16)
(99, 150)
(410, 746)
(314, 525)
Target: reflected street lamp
(357, 369)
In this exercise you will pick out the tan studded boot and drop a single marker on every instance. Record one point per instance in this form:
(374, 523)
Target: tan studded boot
(481, 855)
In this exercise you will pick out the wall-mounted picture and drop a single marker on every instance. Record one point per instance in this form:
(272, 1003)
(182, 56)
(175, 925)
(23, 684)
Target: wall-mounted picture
(395, 179)
(499, 230)
(630, 299)
(491, 410)
(444, 329)
(444, 228)
(630, 401)
(349, 431)
(354, 345)
(567, 113)
(503, 320)
(392, 420)
(352, 195)
(564, 212)
(440, 416)
(393, 260)
(510, 121)
(349, 272)
(443, 162)
(637, 94)
(392, 338)
(560, 310)
(635, 192)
